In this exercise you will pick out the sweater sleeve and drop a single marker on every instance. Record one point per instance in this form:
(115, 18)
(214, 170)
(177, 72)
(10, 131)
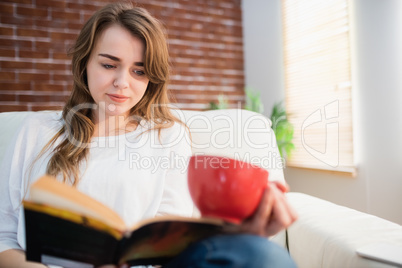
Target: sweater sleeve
(11, 191)
(16, 173)
(176, 199)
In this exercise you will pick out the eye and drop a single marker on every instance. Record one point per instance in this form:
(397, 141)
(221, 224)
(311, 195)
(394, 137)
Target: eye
(108, 66)
(139, 72)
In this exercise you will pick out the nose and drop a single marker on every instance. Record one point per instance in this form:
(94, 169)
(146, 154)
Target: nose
(121, 80)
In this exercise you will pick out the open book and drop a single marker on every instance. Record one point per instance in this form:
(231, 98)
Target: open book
(64, 225)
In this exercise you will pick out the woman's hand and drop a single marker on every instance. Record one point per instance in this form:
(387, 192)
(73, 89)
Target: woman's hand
(273, 214)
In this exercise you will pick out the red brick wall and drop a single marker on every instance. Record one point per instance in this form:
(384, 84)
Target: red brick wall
(205, 41)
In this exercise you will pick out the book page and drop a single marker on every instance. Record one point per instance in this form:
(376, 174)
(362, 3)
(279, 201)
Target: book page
(47, 190)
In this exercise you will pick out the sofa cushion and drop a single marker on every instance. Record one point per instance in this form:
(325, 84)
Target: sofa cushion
(328, 235)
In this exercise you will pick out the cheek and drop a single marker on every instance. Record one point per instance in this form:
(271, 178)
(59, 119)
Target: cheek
(97, 80)
(144, 86)
(140, 87)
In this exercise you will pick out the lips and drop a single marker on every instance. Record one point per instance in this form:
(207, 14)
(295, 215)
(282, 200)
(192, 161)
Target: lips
(117, 98)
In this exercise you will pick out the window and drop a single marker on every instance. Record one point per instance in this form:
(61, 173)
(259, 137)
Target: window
(318, 83)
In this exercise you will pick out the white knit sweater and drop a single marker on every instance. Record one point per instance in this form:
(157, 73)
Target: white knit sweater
(139, 176)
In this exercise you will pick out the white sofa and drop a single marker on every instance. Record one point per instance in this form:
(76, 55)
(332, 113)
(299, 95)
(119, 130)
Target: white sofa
(325, 235)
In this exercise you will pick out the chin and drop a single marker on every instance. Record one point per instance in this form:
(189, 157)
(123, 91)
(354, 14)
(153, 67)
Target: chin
(117, 112)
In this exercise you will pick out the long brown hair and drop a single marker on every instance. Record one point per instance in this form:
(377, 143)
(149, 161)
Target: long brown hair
(78, 127)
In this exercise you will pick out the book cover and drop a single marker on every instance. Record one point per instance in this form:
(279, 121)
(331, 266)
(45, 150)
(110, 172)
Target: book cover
(63, 224)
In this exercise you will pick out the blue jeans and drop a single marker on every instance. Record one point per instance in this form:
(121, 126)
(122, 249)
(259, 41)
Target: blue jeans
(233, 251)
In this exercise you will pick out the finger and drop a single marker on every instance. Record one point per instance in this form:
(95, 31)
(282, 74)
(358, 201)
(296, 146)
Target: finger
(283, 186)
(264, 209)
(281, 208)
(256, 224)
(279, 219)
(291, 211)
(283, 214)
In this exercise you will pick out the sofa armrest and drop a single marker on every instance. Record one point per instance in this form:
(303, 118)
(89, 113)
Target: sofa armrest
(327, 235)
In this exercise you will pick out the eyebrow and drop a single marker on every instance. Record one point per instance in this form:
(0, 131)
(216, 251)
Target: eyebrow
(118, 60)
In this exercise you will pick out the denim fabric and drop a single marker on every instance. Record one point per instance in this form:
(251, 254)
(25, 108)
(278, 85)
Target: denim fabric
(233, 251)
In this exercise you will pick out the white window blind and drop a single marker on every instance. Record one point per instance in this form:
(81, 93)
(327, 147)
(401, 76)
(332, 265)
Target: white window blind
(318, 83)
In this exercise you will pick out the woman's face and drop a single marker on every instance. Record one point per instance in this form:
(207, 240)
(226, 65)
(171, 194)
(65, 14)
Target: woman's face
(115, 72)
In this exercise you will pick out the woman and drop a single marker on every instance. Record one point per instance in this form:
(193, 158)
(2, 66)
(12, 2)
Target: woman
(117, 114)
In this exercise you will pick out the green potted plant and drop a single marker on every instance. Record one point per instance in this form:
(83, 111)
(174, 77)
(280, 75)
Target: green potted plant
(221, 104)
(283, 130)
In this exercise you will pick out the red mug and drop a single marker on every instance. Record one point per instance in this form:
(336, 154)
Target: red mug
(225, 188)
